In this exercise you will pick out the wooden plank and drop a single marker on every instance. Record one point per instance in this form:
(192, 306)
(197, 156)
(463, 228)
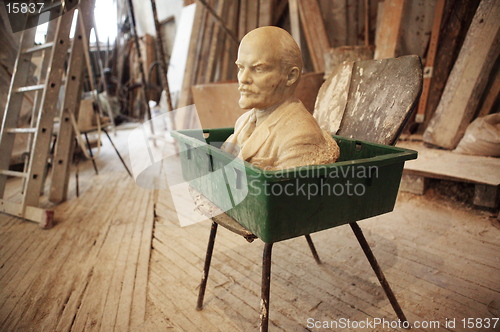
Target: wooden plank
(493, 91)
(227, 66)
(42, 216)
(332, 97)
(353, 21)
(294, 20)
(217, 104)
(243, 18)
(216, 45)
(14, 103)
(206, 40)
(308, 88)
(337, 55)
(279, 10)
(185, 97)
(381, 97)
(455, 24)
(252, 14)
(48, 108)
(386, 40)
(446, 165)
(138, 313)
(334, 14)
(64, 148)
(429, 62)
(182, 59)
(468, 78)
(266, 12)
(315, 34)
(416, 30)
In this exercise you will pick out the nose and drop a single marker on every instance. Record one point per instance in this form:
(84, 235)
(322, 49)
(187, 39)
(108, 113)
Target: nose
(244, 76)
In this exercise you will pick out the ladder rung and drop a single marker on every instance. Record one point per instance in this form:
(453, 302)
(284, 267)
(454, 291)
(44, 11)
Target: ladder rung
(13, 173)
(21, 130)
(30, 88)
(38, 48)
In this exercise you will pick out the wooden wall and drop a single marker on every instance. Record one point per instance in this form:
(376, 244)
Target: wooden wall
(367, 28)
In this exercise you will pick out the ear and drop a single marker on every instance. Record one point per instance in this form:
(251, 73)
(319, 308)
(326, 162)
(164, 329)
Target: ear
(293, 76)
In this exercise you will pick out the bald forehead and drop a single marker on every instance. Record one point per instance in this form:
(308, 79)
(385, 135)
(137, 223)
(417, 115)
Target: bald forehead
(256, 51)
(272, 45)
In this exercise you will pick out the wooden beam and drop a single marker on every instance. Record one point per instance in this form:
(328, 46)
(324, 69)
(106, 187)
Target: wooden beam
(388, 32)
(467, 79)
(293, 7)
(266, 12)
(242, 22)
(454, 27)
(219, 20)
(185, 97)
(216, 45)
(314, 30)
(492, 95)
(429, 63)
(252, 14)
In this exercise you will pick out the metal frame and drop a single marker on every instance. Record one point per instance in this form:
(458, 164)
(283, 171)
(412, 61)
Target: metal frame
(266, 273)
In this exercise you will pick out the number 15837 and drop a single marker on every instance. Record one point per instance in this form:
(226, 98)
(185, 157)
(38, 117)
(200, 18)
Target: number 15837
(24, 8)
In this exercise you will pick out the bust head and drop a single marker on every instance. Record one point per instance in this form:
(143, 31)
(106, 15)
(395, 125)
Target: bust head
(269, 67)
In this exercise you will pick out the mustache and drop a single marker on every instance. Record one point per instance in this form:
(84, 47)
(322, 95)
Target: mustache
(246, 89)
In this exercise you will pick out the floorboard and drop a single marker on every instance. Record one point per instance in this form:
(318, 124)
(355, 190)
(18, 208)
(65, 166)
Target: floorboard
(118, 260)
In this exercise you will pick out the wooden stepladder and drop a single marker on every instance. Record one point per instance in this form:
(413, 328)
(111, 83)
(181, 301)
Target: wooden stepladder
(57, 68)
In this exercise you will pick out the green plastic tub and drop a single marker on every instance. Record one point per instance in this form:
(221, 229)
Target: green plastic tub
(279, 205)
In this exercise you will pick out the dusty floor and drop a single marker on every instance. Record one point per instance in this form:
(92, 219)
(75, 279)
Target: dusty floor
(118, 260)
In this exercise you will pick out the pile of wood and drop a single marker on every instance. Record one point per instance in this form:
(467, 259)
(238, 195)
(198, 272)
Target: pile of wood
(219, 25)
(473, 84)
(457, 42)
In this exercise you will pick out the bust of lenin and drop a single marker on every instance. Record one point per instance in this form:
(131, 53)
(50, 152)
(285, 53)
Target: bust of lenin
(277, 132)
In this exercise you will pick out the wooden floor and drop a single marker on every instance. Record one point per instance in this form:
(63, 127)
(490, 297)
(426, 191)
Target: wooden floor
(117, 260)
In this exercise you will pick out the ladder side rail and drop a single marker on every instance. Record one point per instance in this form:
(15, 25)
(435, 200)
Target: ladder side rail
(43, 135)
(14, 102)
(71, 105)
(46, 55)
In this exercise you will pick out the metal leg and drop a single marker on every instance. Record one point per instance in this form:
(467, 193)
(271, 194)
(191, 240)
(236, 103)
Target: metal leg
(90, 152)
(313, 248)
(118, 153)
(266, 287)
(376, 268)
(206, 268)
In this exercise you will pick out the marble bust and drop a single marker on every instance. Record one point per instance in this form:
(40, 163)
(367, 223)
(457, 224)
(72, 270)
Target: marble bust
(277, 132)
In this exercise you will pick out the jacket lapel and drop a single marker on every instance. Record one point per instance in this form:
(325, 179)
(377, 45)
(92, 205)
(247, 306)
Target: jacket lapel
(260, 136)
